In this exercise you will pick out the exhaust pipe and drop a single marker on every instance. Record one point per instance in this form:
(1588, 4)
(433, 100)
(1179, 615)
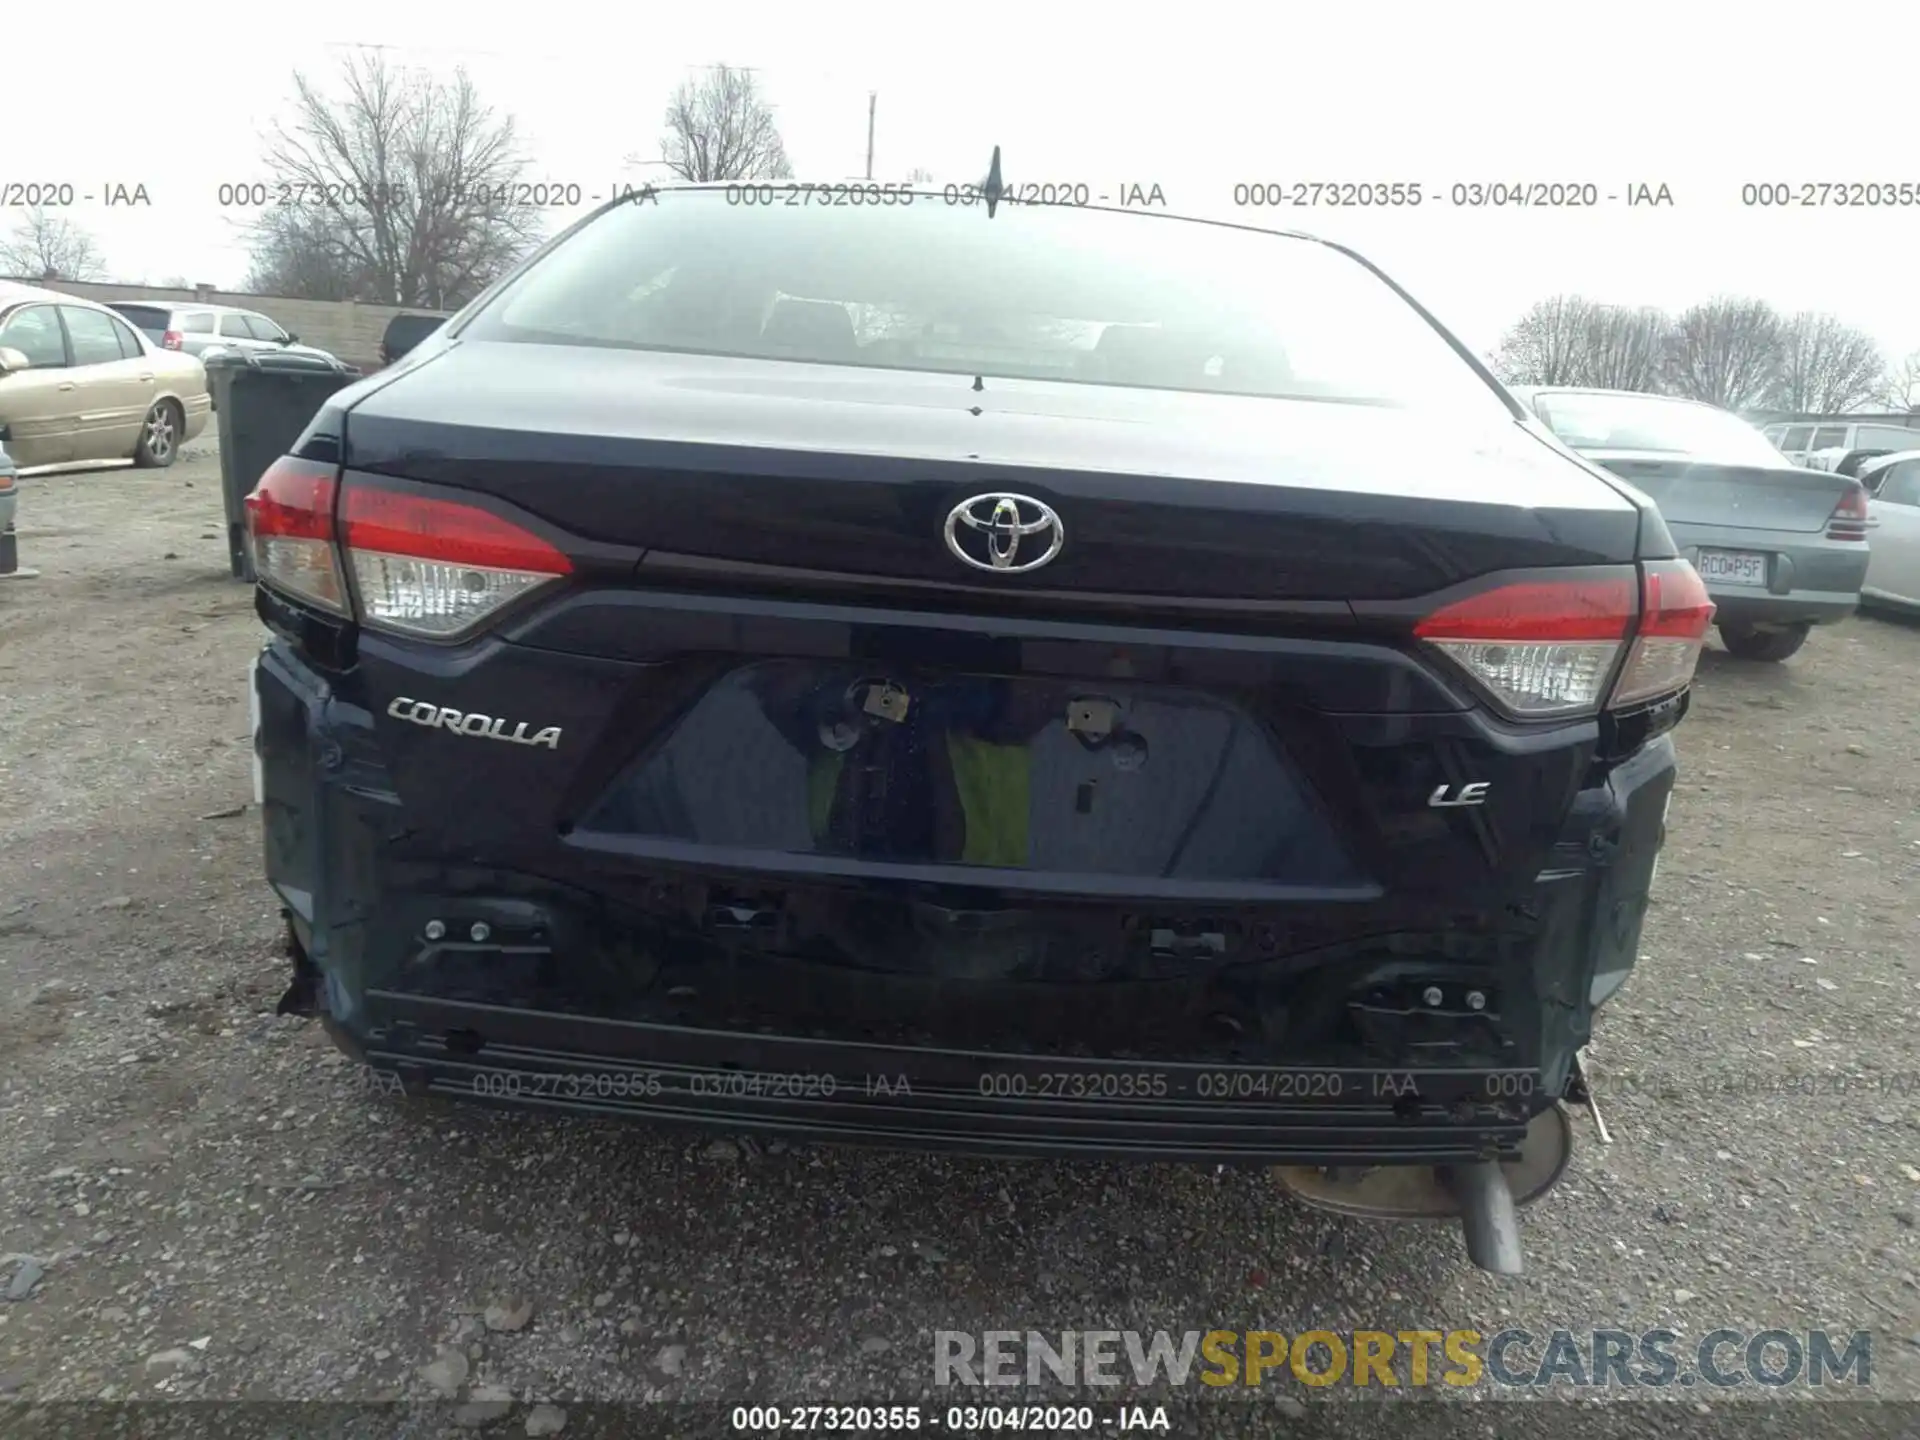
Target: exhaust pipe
(1487, 1215)
(1484, 1196)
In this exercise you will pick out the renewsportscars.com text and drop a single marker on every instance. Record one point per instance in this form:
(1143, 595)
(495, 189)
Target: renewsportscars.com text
(1395, 1359)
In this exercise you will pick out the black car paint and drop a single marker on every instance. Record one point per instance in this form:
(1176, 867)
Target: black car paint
(621, 952)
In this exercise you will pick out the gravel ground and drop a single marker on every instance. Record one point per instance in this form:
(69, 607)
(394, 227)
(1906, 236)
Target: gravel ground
(218, 1209)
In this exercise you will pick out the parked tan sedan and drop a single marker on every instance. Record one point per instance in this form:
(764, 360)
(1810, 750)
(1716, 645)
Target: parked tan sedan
(77, 382)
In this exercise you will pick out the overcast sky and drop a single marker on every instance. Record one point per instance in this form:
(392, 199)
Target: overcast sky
(1192, 97)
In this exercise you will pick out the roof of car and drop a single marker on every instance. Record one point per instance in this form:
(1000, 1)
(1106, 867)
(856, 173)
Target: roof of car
(1892, 457)
(190, 305)
(12, 292)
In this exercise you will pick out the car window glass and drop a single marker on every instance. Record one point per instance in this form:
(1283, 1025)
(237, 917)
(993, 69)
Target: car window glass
(94, 340)
(35, 333)
(1829, 435)
(265, 329)
(195, 322)
(1901, 486)
(1796, 438)
(130, 347)
(1888, 437)
(235, 326)
(1057, 293)
(1588, 421)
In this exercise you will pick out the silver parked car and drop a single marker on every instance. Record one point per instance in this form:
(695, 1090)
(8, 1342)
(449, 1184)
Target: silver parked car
(1781, 548)
(207, 330)
(1893, 579)
(9, 499)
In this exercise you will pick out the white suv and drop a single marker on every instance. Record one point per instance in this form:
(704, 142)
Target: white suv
(1798, 442)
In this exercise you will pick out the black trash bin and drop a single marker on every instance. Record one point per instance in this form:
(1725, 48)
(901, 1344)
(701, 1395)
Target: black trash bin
(263, 400)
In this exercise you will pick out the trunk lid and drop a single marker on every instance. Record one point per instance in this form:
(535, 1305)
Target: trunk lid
(1746, 497)
(734, 469)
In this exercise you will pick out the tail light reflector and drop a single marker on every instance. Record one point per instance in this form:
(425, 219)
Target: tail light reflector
(424, 565)
(1674, 615)
(290, 531)
(1850, 519)
(1542, 647)
(170, 340)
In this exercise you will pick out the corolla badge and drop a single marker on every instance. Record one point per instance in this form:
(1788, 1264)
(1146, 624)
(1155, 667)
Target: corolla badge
(1007, 534)
(460, 722)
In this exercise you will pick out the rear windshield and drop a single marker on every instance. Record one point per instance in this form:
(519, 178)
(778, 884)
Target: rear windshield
(1035, 292)
(1649, 422)
(150, 318)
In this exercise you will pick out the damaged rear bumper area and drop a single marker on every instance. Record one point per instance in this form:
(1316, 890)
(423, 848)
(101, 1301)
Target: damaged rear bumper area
(1352, 1035)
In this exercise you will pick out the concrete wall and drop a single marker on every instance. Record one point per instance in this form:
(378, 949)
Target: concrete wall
(348, 329)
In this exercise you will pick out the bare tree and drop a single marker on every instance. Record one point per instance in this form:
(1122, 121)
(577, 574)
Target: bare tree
(1545, 345)
(720, 127)
(1826, 366)
(920, 176)
(50, 247)
(1901, 389)
(404, 191)
(1726, 352)
(1623, 348)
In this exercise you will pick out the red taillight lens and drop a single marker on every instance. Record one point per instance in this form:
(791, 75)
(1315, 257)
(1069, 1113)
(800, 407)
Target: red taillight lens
(1542, 647)
(290, 528)
(1546, 647)
(1851, 518)
(1674, 616)
(170, 340)
(425, 565)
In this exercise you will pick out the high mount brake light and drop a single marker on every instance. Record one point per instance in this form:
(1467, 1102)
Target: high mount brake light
(424, 565)
(421, 564)
(1547, 647)
(290, 531)
(1851, 518)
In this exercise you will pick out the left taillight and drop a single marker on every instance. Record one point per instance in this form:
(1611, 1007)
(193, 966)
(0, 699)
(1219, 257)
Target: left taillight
(290, 531)
(1851, 518)
(421, 564)
(437, 567)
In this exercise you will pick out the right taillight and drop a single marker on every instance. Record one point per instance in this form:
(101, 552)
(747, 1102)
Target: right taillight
(170, 340)
(1545, 647)
(1675, 614)
(1851, 518)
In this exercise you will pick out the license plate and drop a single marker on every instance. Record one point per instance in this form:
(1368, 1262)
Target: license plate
(1732, 567)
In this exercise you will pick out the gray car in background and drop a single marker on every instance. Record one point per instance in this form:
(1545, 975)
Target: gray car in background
(1780, 547)
(206, 330)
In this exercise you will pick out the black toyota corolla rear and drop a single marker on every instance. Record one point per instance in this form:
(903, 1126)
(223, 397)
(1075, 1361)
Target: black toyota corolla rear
(1059, 683)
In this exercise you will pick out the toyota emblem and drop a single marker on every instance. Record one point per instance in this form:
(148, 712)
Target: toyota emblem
(1007, 534)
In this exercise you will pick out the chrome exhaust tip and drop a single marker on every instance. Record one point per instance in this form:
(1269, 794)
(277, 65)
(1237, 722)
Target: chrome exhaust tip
(1483, 1196)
